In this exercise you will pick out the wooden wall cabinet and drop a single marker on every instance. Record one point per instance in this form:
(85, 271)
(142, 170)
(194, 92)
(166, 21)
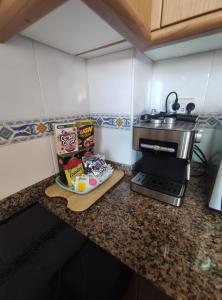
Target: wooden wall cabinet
(144, 23)
(174, 11)
(183, 19)
(150, 23)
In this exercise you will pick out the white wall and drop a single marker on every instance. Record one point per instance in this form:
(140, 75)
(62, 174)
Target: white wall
(197, 77)
(110, 92)
(36, 81)
(110, 83)
(143, 71)
(119, 83)
(142, 85)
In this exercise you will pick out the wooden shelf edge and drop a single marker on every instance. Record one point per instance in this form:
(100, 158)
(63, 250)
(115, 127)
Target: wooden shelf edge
(16, 15)
(125, 18)
(187, 29)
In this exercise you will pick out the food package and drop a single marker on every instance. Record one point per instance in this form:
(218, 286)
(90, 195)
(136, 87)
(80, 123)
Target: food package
(64, 159)
(97, 166)
(66, 138)
(85, 134)
(85, 183)
(73, 169)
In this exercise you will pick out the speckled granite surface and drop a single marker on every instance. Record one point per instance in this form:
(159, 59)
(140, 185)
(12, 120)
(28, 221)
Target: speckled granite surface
(14, 203)
(178, 249)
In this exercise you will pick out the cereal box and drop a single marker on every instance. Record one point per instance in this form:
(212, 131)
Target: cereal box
(85, 133)
(66, 138)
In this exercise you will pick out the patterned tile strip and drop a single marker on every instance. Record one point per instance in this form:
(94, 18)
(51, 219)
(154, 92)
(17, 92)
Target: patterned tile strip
(19, 131)
(111, 121)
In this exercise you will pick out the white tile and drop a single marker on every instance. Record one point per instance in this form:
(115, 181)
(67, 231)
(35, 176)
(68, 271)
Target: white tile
(110, 83)
(213, 102)
(63, 81)
(20, 96)
(116, 144)
(188, 76)
(24, 164)
(211, 145)
(143, 70)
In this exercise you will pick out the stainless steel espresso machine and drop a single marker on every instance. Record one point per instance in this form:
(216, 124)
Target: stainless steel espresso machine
(164, 170)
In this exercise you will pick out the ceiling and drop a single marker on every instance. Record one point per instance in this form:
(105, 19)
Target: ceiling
(76, 29)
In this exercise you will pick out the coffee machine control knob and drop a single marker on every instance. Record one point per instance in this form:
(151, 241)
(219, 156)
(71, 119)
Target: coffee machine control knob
(198, 135)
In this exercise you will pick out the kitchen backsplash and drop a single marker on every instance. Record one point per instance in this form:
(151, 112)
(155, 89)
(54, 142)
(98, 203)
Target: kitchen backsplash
(40, 84)
(20, 131)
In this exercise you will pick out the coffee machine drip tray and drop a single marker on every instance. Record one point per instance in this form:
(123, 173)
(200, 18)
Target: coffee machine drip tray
(159, 188)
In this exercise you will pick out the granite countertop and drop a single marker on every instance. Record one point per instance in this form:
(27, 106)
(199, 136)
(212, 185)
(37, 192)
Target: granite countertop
(178, 249)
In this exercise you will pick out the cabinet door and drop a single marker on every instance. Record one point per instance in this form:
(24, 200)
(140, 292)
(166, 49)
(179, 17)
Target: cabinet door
(156, 14)
(178, 10)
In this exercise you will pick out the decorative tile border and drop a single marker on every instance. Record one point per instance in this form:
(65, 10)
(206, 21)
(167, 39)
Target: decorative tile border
(19, 131)
(210, 121)
(111, 121)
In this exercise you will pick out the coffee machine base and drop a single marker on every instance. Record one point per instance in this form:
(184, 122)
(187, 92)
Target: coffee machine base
(142, 184)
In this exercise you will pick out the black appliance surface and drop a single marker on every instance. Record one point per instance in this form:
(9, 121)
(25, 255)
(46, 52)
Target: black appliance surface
(34, 246)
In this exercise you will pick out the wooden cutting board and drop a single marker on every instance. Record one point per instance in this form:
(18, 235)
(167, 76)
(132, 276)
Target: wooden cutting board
(78, 202)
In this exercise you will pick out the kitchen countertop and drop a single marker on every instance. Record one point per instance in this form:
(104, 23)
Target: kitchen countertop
(178, 249)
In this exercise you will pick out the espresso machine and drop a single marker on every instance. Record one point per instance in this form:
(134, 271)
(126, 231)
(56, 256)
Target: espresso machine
(164, 169)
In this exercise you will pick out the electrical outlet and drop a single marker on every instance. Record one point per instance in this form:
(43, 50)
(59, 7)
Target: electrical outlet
(183, 103)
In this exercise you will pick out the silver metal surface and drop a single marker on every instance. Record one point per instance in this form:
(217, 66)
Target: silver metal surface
(169, 120)
(183, 138)
(157, 148)
(178, 126)
(188, 171)
(156, 121)
(175, 201)
(198, 135)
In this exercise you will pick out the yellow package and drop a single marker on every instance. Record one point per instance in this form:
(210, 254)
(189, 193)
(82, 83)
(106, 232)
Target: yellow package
(73, 169)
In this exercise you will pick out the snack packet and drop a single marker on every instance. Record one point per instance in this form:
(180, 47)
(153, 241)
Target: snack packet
(96, 165)
(73, 169)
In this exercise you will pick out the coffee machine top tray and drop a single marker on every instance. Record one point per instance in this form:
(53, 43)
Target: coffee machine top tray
(163, 125)
(169, 121)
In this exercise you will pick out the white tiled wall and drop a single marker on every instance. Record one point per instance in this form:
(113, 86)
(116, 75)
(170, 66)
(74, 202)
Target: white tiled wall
(119, 83)
(63, 80)
(143, 69)
(24, 164)
(39, 81)
(197, 77)
(19, 86)
(115, 144)
(110, 83)
(36, 81)
(213, 100)
(110, 92)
